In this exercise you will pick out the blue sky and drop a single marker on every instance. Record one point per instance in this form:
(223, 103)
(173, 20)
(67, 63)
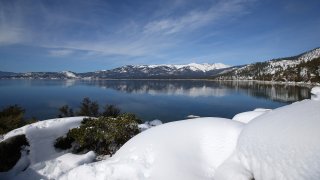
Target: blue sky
(83, 35)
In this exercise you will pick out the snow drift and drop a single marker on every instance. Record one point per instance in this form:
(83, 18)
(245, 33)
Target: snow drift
(315, 93)
(282, 144)
(44, 161)
(246, 117)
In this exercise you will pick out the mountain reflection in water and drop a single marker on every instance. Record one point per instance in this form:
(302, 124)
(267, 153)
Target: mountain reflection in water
(276, 92)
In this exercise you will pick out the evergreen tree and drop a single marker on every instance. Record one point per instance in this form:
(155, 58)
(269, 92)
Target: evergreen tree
(65, 111)
(12, 117)
(89, 108)
(110, 111)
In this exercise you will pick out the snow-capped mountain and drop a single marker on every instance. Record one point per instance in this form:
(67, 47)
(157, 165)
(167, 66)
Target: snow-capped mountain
(301, 68)
(192, 70)
(192, 66)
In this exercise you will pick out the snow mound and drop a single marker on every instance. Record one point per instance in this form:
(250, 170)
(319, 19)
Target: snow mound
(43, 160)
(149, 124)
(189, 149)
(246, 117)
(54, 168)
(57, 126)
(191, 116)
(282, 144)
(315, 93)
(155, 122)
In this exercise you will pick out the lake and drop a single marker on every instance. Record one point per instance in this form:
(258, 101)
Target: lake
(149, 99)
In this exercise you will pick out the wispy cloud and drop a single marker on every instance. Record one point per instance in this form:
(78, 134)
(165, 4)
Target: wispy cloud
(11, 29)
(10, 36)
(60, 52)
(196, 18)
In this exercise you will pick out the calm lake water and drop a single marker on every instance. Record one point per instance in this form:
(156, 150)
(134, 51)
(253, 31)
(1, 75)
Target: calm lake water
(149, 99)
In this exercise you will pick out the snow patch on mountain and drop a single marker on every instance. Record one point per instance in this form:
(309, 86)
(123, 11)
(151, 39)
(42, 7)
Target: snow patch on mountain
(300, 68)
(192, 66)
(69, 74)
(284, 64)
(310, 55)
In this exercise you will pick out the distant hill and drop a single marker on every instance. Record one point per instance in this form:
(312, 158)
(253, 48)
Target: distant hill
(39, 75)
(7, 74)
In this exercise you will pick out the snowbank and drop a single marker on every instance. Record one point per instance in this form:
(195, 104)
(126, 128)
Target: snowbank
(191, 116)
(48, 127)
(43, 160)
(281, 144)
(149, 124)
(246, 117)
(189, 149)
(315, 93)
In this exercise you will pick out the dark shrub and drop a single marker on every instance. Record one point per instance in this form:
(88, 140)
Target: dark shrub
(104, 135)
(10, 151)
(110, 111)
(85, 120)
(89, 108)
(65, 111)
(64, 143)
(11, 118)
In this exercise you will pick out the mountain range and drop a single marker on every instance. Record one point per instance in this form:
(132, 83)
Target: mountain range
(304, 67)
(186, 71)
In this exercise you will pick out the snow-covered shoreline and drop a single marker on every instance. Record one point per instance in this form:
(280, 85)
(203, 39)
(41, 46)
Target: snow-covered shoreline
(290, 83)
(263, 144)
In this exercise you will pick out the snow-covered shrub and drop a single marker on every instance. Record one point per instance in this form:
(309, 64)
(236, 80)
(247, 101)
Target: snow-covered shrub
(130, 116)
(104, 135)
(10, 151)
